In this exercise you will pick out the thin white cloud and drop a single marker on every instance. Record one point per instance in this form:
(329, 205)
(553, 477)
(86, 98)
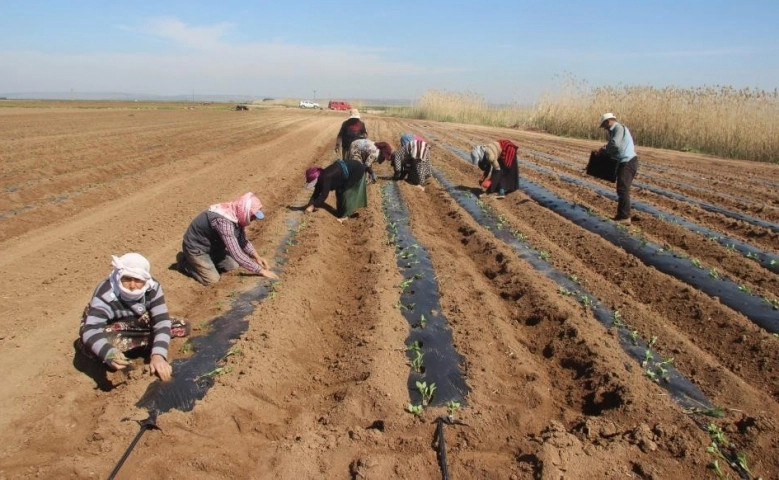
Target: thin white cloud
(201, 38)
(210, 63)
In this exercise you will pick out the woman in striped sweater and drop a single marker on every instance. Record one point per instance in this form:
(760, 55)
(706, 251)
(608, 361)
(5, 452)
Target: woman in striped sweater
(498, 162)
(127, 313)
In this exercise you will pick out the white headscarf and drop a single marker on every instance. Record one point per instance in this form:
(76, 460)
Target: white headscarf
(132, 265)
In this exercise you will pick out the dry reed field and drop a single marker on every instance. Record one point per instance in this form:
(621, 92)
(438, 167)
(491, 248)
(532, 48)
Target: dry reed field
(583, 357)
(723, 121)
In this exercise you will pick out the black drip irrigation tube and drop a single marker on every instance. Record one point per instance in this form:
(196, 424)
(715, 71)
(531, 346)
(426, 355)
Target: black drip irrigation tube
(711, 208)
(688, 186)
(194, 376)
(682, 390)
(729, 293)
(429, 345)
(766, 260)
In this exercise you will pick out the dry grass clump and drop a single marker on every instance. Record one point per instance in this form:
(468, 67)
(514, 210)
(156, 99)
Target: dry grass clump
(458, 107)
(721, 120)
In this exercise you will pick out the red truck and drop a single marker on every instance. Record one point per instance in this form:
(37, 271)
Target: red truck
(336, 105)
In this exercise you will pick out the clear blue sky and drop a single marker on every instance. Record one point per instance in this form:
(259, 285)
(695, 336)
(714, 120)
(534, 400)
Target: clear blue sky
(511, 50)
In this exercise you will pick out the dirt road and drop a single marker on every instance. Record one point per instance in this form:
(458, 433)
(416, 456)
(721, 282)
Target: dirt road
(319, 389)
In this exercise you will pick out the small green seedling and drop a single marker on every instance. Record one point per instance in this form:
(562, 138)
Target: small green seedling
(652, 341)
(451, 408)
(565, 292)
(405, 284)
(651, 375)
(745, 288)
(426, 391)
(215, 372)
(415, 409)
(715, 412)
(417, 362)
(696, 263)
(634, 337)
(617, 319)
(586, 301)
(236, 350)
(647, 358)
(186, 347)
(741, 459)
(717, 434)
(573, 278)
(713, 273)
(422, 321)
(544, 255)
(415, 346)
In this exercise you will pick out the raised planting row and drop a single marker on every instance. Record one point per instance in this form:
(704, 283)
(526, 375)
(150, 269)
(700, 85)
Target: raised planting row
(435, 378)
(195, 375)
(704, 205)
(760, 311)
(682, 185)
(767, 260)
(657, 369)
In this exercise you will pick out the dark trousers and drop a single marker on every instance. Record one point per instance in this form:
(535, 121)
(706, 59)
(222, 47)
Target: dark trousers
(625, 174)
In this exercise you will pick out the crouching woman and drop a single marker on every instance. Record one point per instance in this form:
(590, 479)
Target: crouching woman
(128, 315)
(498, 163)
(347, 178)
(216, 242)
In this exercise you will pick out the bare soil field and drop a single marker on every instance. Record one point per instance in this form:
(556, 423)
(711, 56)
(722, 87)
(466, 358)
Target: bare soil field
(320, 387)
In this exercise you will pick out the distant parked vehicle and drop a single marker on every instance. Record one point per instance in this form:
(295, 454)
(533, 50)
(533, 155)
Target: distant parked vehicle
(241, 107)
(309, 104)
(337, 105)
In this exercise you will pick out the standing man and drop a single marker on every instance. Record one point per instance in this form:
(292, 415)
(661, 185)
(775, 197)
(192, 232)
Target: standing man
(622, 150)
(351, 129)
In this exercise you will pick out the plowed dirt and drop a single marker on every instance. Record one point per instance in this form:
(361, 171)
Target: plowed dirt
(319, 390)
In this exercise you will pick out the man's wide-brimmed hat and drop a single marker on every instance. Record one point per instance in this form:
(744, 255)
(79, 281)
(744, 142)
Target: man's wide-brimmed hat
(607, 116)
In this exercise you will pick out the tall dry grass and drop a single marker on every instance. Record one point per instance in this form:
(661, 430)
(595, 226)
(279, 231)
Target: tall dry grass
(720, 120)
(457, 107)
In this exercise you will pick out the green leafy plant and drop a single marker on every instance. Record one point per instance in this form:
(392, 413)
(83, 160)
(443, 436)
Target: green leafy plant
(715, 412)
(427, 391)
(634, 337)
(564, 291)
(415, 409)
(519, 235)
(713, 273)
(573, 278)
(616, 319)
(415, 346)
(647, 358)
(405, 284)
(451, 408)
(652, 341)
(745, 288)
(417, 362)
(422, 321)
(544, 255)
(215, 372)
(586, 301)
(696, 263)
(186, 347)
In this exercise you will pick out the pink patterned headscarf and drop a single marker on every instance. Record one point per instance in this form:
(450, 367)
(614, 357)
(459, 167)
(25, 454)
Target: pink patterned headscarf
(240, 210)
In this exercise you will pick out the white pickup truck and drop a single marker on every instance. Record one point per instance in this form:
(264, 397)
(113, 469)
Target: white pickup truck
(309, 104)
